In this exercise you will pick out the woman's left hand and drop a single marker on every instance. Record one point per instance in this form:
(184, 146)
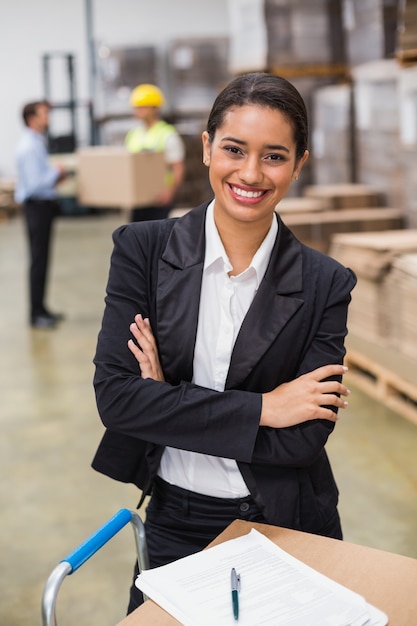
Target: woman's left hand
(146, 354)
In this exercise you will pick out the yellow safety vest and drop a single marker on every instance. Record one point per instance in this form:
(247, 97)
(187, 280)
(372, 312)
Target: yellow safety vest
(153, 139)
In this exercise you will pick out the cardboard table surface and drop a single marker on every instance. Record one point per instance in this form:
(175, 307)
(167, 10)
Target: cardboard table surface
(386, 580)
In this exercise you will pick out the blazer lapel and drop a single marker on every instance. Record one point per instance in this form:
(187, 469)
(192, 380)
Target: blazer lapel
(180, 272)
(272, 307)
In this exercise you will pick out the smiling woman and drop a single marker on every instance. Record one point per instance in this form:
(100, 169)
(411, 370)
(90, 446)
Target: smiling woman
(255, 146)
(219, 363)
(253, 161)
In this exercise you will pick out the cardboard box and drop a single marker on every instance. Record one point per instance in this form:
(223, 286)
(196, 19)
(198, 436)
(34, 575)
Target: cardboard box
(402, 284)
(374, 310)
(112, 177)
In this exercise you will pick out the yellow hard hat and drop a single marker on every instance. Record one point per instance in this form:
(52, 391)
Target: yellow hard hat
(147, 95)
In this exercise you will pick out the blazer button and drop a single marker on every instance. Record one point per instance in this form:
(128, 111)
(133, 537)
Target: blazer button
(243, 507)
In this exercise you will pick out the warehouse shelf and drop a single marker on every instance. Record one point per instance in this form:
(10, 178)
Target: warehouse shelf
(312, 70)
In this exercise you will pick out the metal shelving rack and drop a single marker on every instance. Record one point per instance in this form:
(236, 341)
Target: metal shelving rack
(67, 143)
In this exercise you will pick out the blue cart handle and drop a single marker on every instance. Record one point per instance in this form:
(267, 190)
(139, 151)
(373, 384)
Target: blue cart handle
(84, 551)
(97, 540)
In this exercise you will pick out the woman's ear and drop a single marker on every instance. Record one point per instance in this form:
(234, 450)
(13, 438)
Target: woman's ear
(299, 165)
(206, 148)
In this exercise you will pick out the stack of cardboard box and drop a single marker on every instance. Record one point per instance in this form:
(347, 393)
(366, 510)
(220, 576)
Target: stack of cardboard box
(373, 312)
(402, 286)
(344, 208)
(307, 33)
(370, 29)
(332, 153)
(377, 118)
(374, 142)
(407, 37)
(8, 206)
(198, 69)
(408, 137)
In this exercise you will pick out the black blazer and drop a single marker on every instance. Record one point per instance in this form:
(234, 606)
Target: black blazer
(296, 323)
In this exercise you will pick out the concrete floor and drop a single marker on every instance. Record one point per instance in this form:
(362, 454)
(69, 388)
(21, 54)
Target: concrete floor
(51, 498)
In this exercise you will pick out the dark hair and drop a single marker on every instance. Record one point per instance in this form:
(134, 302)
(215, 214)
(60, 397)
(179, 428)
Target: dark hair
(31, 108)
(265, 90)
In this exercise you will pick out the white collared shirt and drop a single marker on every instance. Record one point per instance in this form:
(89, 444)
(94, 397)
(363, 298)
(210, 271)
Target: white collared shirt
(224, 303)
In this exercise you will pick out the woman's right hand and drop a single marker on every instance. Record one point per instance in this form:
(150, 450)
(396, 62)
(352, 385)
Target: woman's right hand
(305, 398)
(146, 352)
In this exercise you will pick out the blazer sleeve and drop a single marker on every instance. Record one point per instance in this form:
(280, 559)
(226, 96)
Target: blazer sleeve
(300, 445)
(182, 415)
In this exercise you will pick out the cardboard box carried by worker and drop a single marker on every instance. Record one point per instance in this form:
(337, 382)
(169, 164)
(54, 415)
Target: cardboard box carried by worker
(112, 177)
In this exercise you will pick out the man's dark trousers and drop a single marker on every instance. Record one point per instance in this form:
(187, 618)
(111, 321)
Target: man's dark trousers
(39, 216)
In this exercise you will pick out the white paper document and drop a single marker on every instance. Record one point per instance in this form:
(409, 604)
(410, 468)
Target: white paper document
(276, 589)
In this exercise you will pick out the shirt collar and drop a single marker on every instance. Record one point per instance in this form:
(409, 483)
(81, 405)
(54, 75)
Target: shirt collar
(35, 134)
(215, 249)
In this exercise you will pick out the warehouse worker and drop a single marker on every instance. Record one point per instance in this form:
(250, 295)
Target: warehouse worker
(35, 190)
(156, 135)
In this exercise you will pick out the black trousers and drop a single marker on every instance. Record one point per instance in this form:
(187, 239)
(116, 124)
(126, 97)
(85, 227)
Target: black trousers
(179, 523)
(39, 216)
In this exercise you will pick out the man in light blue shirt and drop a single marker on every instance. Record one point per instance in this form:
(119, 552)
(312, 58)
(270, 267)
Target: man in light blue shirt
(35, 190)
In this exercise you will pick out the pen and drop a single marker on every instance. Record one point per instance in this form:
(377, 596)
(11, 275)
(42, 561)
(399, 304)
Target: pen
(235, 580)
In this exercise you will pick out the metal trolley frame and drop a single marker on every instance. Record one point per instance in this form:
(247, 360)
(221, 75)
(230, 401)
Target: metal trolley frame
(69, 564)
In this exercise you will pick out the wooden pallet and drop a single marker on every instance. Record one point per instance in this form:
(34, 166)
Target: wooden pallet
(382, 384)
(407, 57)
